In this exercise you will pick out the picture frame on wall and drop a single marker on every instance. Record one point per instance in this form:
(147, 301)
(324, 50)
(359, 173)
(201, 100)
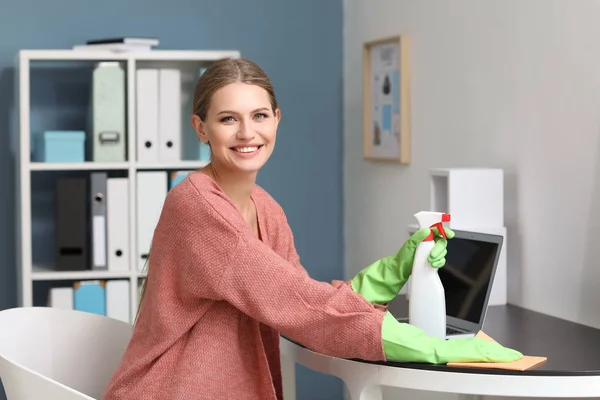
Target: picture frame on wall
(386, 100)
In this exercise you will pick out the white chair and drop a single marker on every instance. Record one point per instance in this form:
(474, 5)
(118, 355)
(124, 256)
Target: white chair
(55, 354)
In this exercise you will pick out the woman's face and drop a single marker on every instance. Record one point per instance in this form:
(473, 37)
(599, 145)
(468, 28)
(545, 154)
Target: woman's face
(240, 127)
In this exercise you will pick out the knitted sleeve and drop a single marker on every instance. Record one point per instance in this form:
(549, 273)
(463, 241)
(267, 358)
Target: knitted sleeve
(204, 240)
(294, 258)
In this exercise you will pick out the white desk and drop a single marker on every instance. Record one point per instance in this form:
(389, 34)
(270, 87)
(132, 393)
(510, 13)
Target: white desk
(572, 369)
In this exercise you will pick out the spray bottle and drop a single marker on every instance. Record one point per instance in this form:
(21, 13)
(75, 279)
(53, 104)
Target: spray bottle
(427, 304)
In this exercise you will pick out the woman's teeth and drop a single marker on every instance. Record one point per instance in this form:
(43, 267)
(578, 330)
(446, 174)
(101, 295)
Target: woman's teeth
(246, 149)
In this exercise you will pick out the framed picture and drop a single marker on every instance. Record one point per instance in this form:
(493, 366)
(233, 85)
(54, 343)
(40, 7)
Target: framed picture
(386, 91)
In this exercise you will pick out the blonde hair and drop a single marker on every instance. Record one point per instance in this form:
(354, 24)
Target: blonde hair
(221, 73)
(225, 72)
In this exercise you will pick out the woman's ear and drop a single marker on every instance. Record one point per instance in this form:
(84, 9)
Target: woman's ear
(277, 116)
(198, 125)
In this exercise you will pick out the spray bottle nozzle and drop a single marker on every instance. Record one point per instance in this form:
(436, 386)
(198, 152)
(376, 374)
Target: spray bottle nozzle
(432, 219)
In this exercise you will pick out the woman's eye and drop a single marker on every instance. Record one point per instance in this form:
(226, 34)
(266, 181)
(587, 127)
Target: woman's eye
(261, 116)
(227, 119)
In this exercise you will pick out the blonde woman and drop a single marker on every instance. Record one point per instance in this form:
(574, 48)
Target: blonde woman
(224, 278)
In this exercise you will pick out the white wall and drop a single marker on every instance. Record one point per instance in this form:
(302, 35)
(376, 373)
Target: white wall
(512, 84)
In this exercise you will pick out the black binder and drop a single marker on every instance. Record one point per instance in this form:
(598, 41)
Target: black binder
(71, 244)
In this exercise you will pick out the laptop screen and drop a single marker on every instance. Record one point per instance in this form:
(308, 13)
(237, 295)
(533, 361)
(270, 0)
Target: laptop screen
(467, 276)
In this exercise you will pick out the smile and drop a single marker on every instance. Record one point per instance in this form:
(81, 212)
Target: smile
(246, 149)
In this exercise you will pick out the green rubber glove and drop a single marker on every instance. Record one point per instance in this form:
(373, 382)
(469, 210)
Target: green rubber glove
(407, 343)
(381, 281)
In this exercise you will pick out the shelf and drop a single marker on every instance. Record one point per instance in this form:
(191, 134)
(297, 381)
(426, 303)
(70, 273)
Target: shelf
(90, 165)
(40, 273)
(183, 55)
(58, 70)
(172, 165)
(154, 55)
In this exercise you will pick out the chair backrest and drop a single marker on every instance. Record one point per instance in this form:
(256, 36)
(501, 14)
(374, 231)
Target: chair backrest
(73, 351)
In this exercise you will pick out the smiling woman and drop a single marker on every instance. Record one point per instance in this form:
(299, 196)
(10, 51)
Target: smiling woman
(224, 278)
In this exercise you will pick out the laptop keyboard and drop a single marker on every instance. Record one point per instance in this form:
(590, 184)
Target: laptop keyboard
(450, 330)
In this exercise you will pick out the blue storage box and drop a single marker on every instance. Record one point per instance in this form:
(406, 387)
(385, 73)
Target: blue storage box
(61, 147)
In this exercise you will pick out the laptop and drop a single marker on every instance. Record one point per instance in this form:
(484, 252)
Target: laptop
(467, 278)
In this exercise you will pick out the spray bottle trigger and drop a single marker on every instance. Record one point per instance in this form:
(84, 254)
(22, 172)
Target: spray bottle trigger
(440, 229)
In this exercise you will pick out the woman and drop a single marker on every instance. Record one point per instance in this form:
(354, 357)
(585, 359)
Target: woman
(225, 280)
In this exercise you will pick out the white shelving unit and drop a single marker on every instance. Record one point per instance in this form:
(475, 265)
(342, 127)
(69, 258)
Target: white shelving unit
(27, 273)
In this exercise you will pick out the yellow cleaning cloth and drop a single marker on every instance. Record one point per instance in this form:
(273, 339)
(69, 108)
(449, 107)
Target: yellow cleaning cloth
(527, 362)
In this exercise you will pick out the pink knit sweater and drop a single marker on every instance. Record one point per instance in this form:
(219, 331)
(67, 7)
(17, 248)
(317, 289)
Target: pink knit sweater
(217, 298)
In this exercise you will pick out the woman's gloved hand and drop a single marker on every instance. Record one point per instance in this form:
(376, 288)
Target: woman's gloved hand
(381, 281)
(407, 343)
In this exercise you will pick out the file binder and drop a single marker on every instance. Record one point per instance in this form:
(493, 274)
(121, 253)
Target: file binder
(108, 112)
(61, 297)
(98, 218)
(147, 114)
(117, 202)
(71, 211)
(118, 300)
(151, 192)
(169, 114)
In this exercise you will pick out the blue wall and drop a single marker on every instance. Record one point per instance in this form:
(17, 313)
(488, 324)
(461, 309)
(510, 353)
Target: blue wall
(298, 43)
